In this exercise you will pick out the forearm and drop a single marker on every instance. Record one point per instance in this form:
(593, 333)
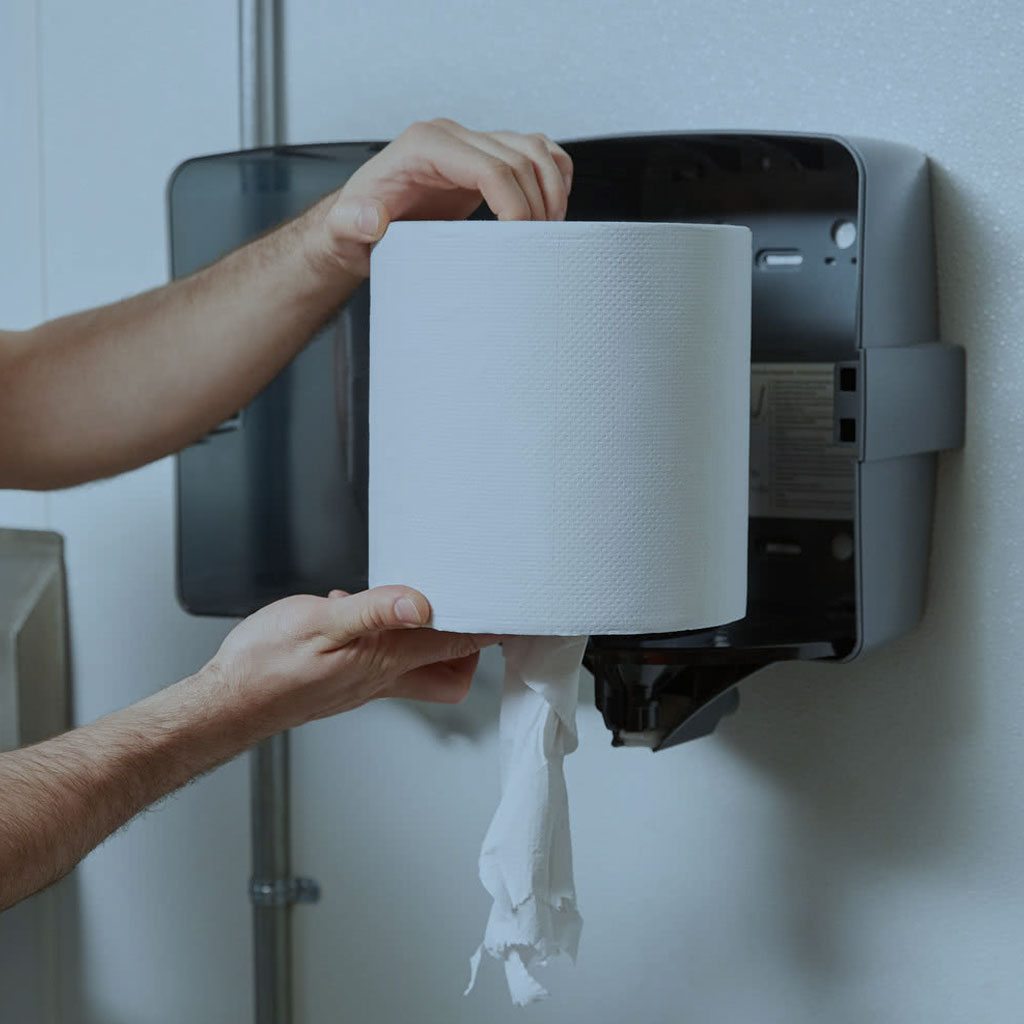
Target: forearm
(110, 389)
(61, 797)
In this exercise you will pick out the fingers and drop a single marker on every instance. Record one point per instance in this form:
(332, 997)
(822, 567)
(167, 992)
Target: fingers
(551, 164)
(444, 683)
(562, 161)
(520, 177)
(416, 648)
(468, 167)
(542, 168)
(343, 619)
(519, 154)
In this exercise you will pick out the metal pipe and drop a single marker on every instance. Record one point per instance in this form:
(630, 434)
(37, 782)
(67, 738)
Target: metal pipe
(261, 72)
(272, 888)
(269, 887)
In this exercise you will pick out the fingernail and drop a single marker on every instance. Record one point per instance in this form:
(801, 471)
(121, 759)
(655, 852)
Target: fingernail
(368, 221)
(407, 611)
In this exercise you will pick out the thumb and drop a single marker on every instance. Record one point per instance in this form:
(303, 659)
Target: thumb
(371, 611)
(357, 220)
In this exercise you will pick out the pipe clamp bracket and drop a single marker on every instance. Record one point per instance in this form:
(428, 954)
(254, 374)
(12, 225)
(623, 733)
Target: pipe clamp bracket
(283, 892)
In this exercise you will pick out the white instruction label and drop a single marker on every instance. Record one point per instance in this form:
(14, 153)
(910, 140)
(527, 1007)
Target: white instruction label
(797, 471)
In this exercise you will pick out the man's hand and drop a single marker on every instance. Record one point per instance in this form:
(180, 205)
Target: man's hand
(298, 659)
(308, 657)
(110, 389)
(438, 170)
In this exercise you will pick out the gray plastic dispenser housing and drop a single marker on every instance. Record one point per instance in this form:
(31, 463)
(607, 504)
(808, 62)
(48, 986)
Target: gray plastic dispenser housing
(852, 396)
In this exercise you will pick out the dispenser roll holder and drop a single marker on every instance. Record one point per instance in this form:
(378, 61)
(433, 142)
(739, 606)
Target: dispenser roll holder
(851, 399)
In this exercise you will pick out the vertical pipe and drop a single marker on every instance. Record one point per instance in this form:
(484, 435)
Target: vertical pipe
(261, 124)
(270, 886)
(261, 70)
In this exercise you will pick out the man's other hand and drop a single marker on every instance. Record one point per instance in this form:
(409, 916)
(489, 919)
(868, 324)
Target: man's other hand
(309, 657)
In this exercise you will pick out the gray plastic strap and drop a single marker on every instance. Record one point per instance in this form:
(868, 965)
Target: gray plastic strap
(904, 400)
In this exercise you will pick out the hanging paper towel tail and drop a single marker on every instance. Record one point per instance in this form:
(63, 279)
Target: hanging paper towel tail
(526, 858)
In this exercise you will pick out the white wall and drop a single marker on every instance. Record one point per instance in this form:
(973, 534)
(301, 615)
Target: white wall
(850, 847)
(98, 103)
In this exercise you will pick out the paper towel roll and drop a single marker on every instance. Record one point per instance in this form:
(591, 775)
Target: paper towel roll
(559, 423)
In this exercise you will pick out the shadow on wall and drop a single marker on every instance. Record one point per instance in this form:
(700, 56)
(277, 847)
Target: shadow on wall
(871, 754)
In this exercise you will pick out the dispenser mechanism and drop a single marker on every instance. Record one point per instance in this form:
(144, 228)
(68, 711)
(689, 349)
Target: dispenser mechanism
(851, 399)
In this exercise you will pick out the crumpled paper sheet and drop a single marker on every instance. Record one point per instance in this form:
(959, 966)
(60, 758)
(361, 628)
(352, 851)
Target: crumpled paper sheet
(526, 858)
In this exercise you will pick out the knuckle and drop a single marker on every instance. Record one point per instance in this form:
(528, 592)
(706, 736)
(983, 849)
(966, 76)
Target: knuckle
(501, 180)
(540, 144)
(370, 619)
(420, 131)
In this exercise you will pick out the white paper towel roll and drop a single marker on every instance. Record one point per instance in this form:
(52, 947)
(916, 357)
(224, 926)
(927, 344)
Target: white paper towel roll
(559, 423)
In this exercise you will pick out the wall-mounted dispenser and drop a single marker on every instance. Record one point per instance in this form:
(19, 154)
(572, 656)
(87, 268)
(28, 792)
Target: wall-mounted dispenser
(851, 399)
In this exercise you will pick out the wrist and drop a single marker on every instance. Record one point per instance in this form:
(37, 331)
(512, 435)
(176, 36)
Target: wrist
(207, 718)
(241, 714)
